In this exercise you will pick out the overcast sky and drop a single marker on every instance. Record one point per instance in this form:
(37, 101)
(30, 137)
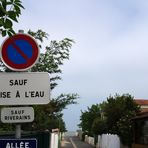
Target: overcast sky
(111, 50)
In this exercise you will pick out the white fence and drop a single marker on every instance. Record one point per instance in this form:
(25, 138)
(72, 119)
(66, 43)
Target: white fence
(104, 141)
(90, 140)
(108, 141)
(54, 141)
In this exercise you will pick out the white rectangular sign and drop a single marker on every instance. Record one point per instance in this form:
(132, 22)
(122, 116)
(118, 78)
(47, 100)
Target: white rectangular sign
(17, 114)
(24, 88)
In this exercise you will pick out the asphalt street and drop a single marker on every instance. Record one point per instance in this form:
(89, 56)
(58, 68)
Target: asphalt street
(74, 142)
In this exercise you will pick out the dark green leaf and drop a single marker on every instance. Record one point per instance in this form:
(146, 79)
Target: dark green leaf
(20, 5)
(4, 33)
(8, 23)
(12, 15)
(9, 33)
(1, 13)
(18, 1)
(9, 3)
(4, 4)
(1, 22)
(17, 9)
(2, 10)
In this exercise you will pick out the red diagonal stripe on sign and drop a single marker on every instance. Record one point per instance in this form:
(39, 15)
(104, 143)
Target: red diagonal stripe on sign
(19, 51)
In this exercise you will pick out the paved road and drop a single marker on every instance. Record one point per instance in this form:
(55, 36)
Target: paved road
(74, 142)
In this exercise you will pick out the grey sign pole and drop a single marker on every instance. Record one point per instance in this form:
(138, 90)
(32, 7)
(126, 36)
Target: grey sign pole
(18, 126)
(18, 131)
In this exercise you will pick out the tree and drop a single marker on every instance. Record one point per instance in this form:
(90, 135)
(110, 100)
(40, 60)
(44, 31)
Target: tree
(50, 61)
(88, 117)
(99, 126)
(49, 116)
(10, 11)
(118, 111)
(112, 116)
(55, 54)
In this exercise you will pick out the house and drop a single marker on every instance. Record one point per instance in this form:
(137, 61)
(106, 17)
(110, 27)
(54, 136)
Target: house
(143, 104)
(140, 131)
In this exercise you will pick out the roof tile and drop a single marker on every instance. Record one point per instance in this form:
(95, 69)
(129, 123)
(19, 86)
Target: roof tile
(141, 101)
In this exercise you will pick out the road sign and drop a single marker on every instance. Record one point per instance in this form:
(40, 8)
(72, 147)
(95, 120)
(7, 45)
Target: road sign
(19, 52)
(24, 88)
(18, 143)
(17, 114)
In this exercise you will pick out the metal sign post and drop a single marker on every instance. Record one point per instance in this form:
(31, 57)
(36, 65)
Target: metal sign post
(18, 131)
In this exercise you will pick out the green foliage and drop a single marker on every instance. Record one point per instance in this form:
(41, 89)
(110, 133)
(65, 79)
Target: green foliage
(99, 126)
(55, 54)
(49, 116)
(124, 128)
(117, 107)
(118, 111)
(7, 127)
(88, 117)
(114, 117)
(10, 11)
(61, 102)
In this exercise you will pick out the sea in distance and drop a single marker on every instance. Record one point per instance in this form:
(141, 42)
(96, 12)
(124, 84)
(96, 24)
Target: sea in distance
(70, 133)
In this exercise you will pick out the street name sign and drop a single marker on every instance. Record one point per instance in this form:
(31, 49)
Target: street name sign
(19, 52)
(18, 143)
(17, 114)
(25, 88)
